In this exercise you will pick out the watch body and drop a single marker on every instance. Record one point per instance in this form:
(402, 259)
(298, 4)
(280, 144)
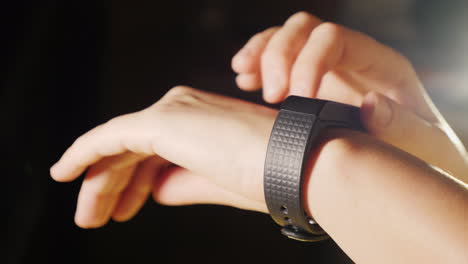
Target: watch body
(299, 123)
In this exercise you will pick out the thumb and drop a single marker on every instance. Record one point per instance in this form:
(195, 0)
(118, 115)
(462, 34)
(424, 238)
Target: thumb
(390, 122)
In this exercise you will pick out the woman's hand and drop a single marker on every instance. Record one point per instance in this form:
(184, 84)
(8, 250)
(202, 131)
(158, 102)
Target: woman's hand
(221, 138)
(219, 145)
(312, 58)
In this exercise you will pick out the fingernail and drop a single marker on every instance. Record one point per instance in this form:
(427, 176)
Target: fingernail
(383, 112)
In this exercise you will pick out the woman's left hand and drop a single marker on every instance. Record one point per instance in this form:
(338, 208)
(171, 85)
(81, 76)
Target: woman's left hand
(218, 144)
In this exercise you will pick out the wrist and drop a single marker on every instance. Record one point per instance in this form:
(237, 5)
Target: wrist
(374, 200)
(295, 134)
(330, 161)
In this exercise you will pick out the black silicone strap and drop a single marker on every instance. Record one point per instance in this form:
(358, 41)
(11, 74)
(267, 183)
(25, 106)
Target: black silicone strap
(299, 122)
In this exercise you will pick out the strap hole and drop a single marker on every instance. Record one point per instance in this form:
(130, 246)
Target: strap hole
(284, 209)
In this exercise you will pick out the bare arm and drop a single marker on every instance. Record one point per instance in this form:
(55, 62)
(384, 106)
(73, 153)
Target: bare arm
(313, 58)
(378, 203)
(382, 205)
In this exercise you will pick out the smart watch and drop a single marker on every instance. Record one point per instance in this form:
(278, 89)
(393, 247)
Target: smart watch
(299, 123)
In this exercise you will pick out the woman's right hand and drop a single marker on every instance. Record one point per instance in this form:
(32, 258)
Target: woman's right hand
(312, 58)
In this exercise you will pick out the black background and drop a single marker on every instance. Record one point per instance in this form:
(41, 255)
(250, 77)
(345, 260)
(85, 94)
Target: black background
(72, 65)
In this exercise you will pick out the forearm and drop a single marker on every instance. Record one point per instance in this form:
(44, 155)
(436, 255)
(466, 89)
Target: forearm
(377, 202)
(383, 205)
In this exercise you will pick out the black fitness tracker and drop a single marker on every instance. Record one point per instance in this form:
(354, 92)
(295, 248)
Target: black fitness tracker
(298, 124)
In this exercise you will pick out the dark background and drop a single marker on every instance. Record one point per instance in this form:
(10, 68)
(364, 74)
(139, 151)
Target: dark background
(71, 65)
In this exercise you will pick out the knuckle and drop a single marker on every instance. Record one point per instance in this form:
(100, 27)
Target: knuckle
(179, 90)
(300, 17)
(270, 30)
(79, 140)
(180, 93)
(262, 35)
(275, 56)
(120, 124)
(120, 120)
(83, 139)
(257, 37)
(113, 121)
(179, 96)
(330, 30)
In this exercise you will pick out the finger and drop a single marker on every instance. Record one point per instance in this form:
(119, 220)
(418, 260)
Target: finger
(281, 52)
(332, 47)
(249, 81)
(107, 139)
(400, 127)
(247, 59)
(101, 189)
(138, 190)
(178, 186)
(342, 87)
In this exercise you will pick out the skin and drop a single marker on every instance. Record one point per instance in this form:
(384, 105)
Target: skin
(312, 58)
(405, 213)
(416, 212)
(127, 159)
(146, 142)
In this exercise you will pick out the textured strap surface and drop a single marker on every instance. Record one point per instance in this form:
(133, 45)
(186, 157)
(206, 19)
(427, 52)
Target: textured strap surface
(293, 135)
(283, 164)
(283, 169)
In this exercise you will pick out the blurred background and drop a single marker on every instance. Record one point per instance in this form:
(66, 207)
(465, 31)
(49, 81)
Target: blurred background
(71, 65)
